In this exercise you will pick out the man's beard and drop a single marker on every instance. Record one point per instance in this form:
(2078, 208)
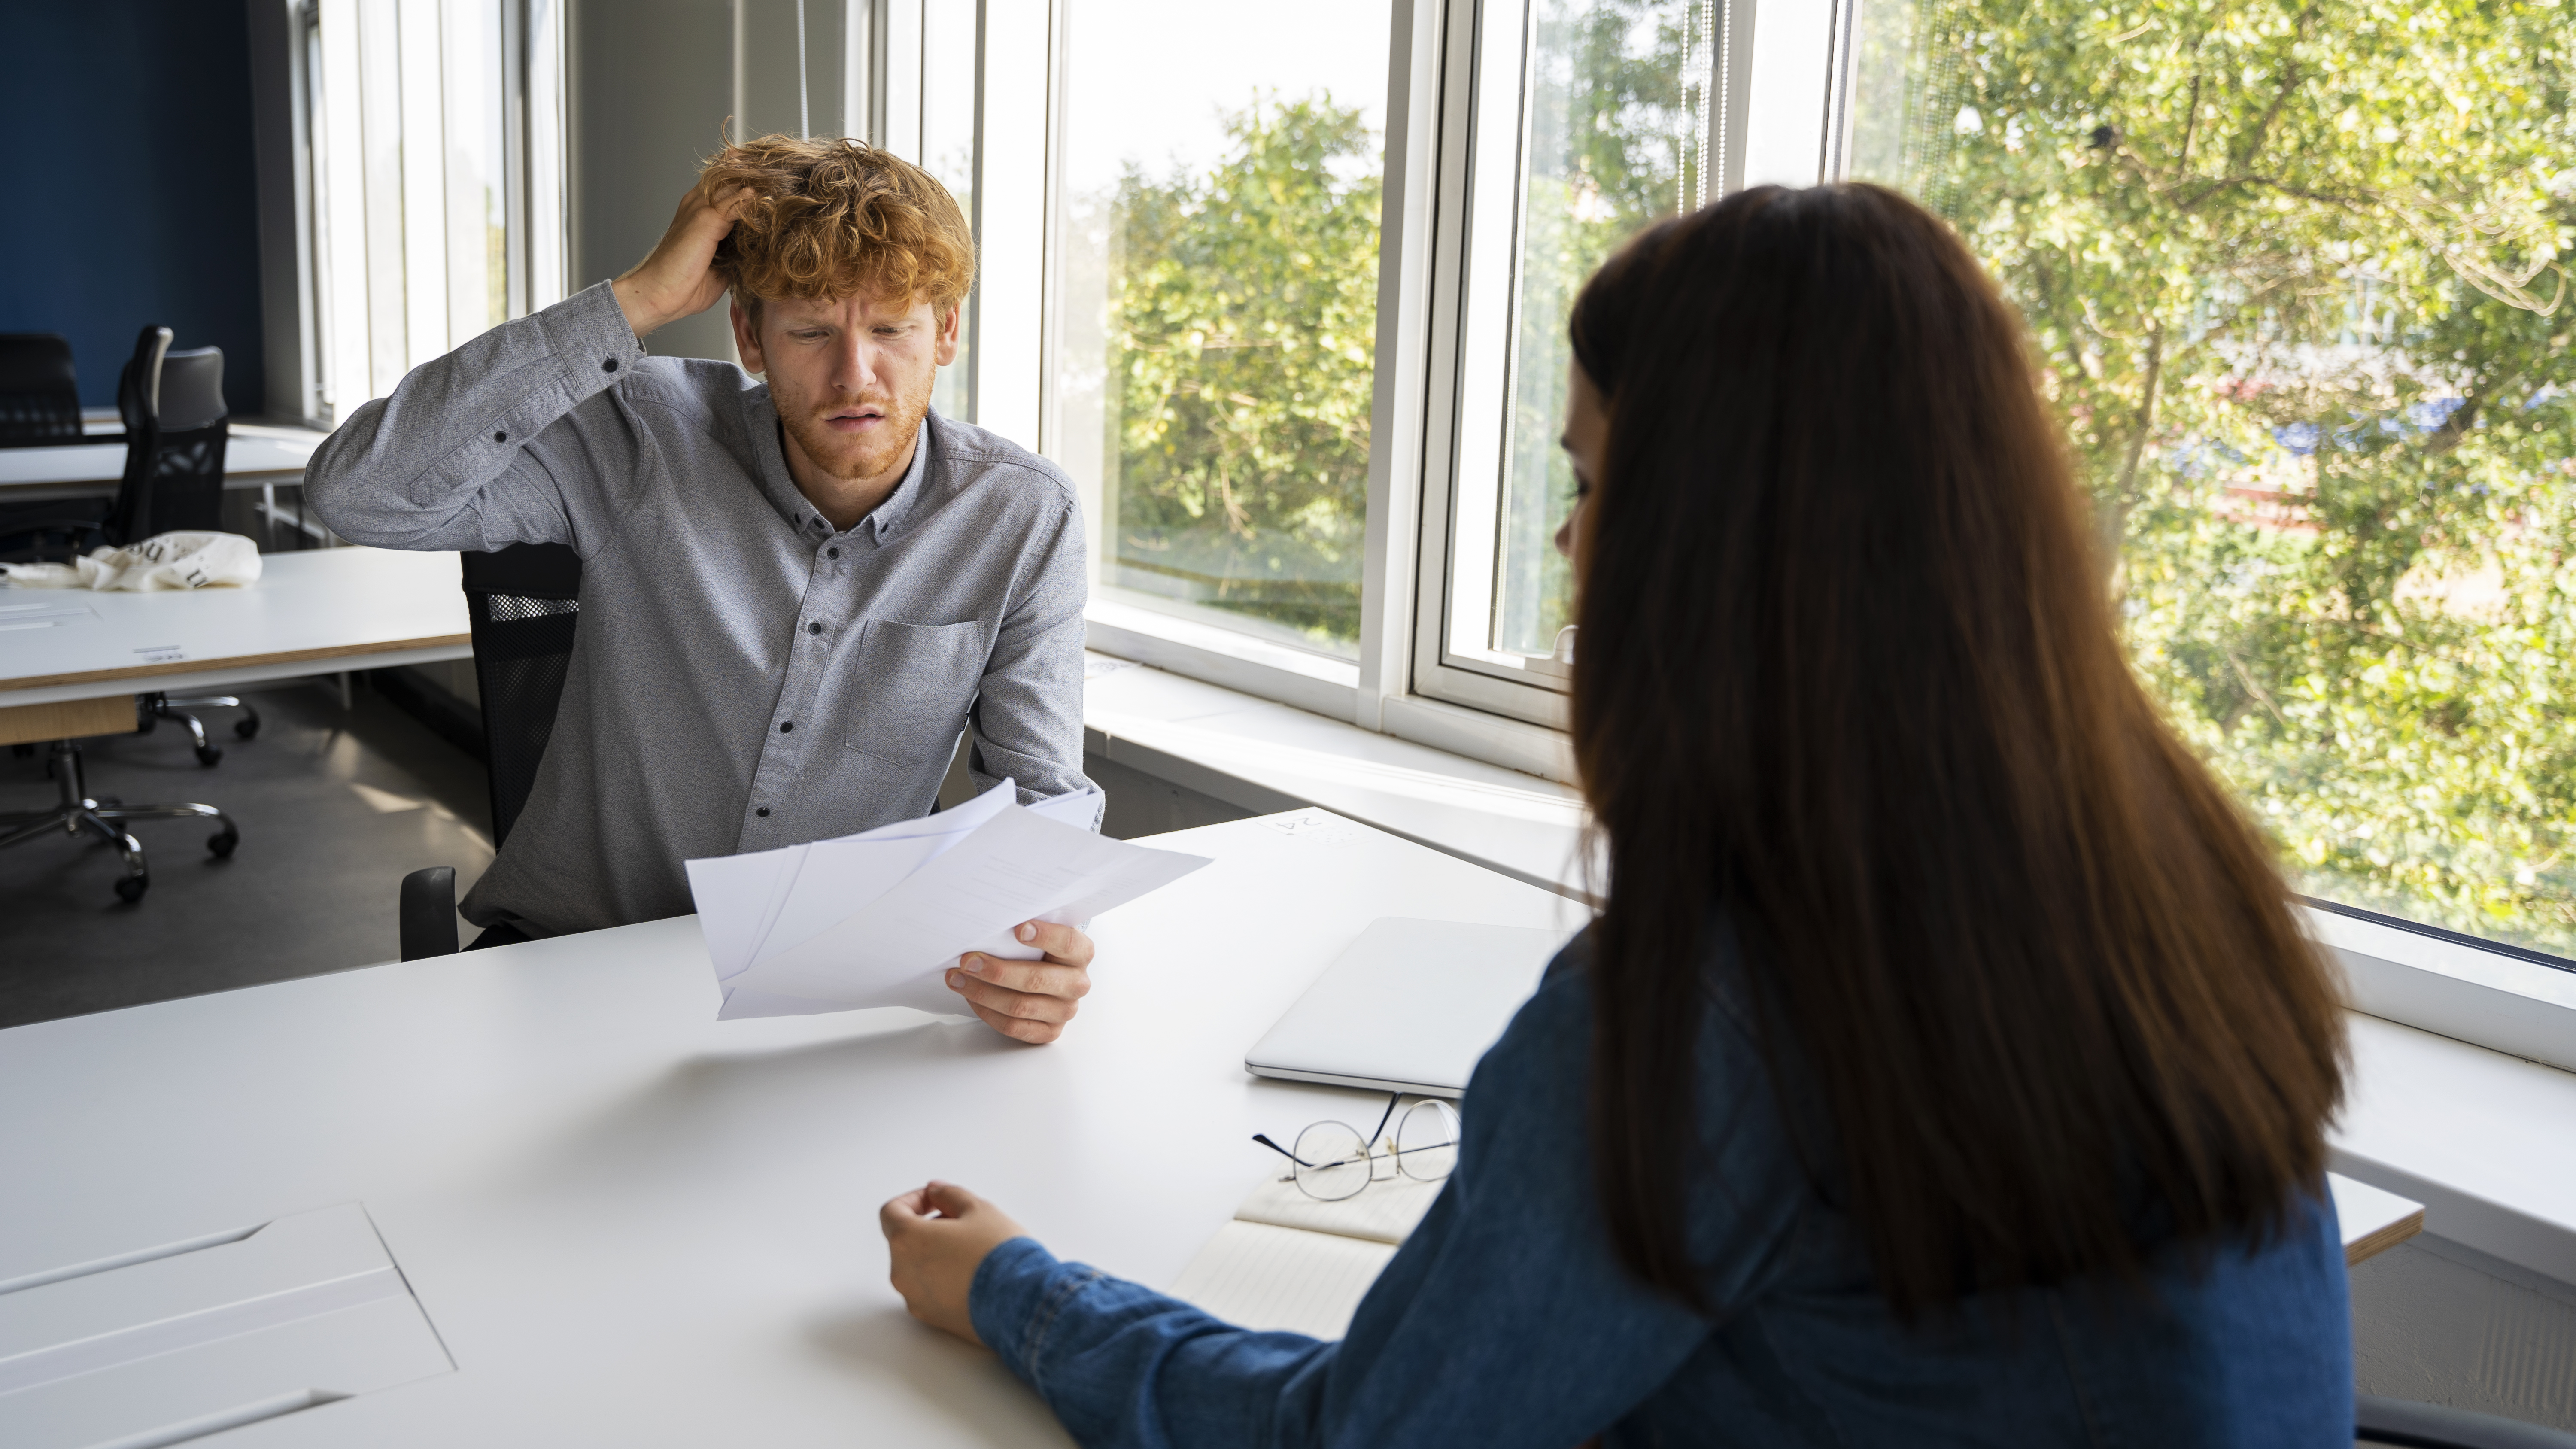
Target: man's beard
(838, 454)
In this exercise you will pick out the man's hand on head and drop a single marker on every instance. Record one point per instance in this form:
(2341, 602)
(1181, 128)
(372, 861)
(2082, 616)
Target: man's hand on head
(1028, 1001)
(675, 281)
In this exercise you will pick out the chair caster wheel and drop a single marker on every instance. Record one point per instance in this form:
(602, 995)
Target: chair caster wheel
(131, 888)
(222, 842)
(245, 728)
(210, 756)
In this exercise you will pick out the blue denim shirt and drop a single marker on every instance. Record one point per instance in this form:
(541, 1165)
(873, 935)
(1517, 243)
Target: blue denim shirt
(1505, 1319)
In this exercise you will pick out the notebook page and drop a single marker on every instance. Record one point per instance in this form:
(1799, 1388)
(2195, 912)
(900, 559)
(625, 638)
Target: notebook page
(1258, 1276)
(1385, 1211)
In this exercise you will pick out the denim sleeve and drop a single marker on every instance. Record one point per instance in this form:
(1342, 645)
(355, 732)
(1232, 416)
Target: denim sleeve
(1504, 1320)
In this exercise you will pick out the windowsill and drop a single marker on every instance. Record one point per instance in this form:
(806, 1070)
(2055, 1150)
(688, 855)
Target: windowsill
(2479, 1136)
(1230, 657)
(1263, 756)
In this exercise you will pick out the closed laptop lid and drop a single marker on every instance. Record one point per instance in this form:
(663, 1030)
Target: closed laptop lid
(1409, 1007)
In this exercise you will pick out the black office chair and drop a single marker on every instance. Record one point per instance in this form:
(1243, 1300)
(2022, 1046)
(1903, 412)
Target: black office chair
(40, 408)
(2429, 1426)
(524, 602)
(177, 431)
(174, 478)
(39, 391)
(176, 435)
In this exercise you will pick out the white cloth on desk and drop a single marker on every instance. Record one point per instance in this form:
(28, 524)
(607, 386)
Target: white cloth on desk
(185, 560)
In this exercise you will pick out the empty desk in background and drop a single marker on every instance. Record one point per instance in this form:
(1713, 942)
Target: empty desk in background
(631, 1224)
(257, 455)
(318, 611)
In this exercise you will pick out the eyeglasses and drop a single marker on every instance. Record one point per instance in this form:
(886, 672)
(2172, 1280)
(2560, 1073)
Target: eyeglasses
(1333, 1161)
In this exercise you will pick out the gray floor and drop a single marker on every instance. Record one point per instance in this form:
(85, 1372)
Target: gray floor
(333, 808)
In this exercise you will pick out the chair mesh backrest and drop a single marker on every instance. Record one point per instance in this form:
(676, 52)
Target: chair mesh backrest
(174, 459)
(39, 392)
(183, 486)
(522, 656)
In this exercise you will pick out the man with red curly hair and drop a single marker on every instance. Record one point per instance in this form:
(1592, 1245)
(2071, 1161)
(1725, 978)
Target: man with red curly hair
(798, 586)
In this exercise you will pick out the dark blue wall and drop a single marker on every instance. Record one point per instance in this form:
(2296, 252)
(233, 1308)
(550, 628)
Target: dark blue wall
(130, 185)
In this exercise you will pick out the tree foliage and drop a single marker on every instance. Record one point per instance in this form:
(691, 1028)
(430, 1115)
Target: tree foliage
(1243, 333)
(2294, 270)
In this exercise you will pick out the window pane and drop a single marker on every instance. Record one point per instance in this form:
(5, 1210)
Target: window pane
(1617, 136)
(948, 152)
(1218, 315)
(2295, 275)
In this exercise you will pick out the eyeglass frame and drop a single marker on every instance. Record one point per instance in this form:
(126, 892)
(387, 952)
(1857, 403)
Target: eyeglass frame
(1368, 1147)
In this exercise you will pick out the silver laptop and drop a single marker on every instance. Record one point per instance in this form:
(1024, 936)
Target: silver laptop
(1409, 1007)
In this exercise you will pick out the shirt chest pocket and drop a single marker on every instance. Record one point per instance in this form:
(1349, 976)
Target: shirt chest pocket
(909, 686)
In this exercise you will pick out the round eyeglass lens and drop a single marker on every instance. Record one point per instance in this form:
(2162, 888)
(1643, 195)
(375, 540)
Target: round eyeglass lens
(1426, 1140)
(1332, 1161)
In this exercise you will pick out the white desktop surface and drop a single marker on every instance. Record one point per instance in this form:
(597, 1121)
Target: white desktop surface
(312, 612)
(634, 1225)
(256, 453)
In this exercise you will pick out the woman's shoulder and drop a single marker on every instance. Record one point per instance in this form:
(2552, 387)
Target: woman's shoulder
(1543, 1061)
(1529, 1102)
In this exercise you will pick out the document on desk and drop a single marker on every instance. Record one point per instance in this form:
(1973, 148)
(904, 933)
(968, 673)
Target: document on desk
(875, 919)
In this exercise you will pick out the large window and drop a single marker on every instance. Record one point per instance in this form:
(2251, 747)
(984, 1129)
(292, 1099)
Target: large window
(1589, 120)
(949, 41)
(2295, 274)
(434, 133)
(1216, 320)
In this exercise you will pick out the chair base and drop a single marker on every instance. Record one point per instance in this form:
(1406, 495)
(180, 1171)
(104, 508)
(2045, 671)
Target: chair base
(80, 813)
(151, 709)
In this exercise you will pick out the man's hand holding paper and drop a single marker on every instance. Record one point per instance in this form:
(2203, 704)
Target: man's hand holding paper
(1028, 1001)
(983, 903)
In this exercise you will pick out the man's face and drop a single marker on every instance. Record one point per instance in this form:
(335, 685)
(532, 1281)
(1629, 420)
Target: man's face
(851, 378)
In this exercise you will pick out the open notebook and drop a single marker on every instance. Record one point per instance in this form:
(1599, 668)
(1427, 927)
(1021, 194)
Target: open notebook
(1289, 1262)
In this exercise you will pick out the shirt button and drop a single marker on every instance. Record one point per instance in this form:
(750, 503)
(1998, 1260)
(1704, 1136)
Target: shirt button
(785, 725)
(608, 366)
(834, 552)
(762, 812)
(500, 437)
(813, 628)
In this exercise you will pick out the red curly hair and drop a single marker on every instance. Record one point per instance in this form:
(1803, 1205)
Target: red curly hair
(835, 218)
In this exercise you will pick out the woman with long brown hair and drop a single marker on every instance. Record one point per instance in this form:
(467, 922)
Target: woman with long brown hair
(1945, 1066)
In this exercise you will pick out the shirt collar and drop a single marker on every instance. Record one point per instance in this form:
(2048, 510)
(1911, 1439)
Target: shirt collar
(890, 514)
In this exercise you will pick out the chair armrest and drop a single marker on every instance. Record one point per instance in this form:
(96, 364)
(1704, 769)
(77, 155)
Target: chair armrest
(2430, 1426)
(429, 912)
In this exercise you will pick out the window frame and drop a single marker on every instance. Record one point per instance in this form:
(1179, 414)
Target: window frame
(1780, 113)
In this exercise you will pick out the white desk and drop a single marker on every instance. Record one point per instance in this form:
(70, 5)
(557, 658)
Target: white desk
(257, 454)
(634, 1225)
(631, 1224)
(313, 612)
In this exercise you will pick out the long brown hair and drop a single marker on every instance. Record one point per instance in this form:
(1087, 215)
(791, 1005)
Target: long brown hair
(1848, 670)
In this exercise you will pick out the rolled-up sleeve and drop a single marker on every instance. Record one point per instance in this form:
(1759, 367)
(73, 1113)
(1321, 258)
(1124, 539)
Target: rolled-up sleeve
(476, 449)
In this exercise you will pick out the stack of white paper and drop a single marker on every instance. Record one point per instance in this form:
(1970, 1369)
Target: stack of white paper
(875, 919)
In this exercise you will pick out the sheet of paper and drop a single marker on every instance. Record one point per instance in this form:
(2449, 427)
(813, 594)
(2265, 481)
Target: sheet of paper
(741, 898)
(1258, 1276)
(732, 893)
(873, 919)
(1018, 867)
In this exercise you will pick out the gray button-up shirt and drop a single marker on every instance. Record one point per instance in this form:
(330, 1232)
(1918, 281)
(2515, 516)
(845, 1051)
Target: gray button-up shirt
(743, 676)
